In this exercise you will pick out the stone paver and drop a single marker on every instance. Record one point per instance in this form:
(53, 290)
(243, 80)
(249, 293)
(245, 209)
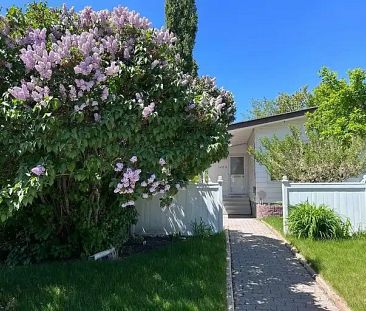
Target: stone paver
(266, 275)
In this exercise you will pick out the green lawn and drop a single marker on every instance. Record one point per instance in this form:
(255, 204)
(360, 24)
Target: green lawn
(342, 263)
(186, 275)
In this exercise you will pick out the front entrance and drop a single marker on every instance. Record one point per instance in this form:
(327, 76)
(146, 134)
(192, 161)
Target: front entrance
(237, 176)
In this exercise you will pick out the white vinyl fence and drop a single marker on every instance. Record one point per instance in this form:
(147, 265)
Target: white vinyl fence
(196, 202)
(348, 199)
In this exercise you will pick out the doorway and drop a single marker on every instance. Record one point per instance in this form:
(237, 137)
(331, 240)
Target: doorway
(237, 176)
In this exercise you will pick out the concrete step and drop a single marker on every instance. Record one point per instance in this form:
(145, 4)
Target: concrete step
(237, 205)
(236, 199)
(238, 210)
(236, 196)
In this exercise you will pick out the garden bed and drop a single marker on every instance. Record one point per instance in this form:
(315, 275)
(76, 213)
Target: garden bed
(340, 262)
(183, 275)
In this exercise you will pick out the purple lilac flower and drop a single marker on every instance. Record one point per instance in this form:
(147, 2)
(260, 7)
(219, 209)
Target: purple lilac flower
(151, 179)
(147, 111)
(112, 70)
(105, 93)
(191, 106)
(133, 159)
(162, 162)
(118, 167)
(38, 170)
(163, 36)
(72, 93)
(128, 182)
(21, 93)
(126, 53)
(111, 44)
(84, 85)
(62, 90)
(98, 39)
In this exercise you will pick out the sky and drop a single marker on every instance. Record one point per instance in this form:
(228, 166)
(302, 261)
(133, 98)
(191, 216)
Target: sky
(259, 48)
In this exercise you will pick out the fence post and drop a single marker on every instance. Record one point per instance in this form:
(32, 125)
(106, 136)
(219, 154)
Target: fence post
(285, 185)
(221, 200)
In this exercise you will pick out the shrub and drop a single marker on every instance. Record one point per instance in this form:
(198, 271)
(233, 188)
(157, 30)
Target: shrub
(96, 114)
(311, 160)
(317, 222)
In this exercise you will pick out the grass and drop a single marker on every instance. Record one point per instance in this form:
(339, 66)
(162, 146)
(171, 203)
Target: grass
(341, 262)
(187, 275)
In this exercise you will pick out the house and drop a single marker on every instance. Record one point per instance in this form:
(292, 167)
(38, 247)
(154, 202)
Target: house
(236, 184)
(245, 182)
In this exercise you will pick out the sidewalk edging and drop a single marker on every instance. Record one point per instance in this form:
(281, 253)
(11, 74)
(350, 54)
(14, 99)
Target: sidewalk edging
(229, 279)
(339, 302)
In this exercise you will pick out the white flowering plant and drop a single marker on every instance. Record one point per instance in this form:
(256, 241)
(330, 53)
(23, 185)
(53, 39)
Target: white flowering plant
(95, 114)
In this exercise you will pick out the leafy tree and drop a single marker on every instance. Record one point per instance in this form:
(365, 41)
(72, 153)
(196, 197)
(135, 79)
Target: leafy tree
(283, 103)
(97, 113)
(311, 160)
(341, 111)
(181, 18)
(335, 149)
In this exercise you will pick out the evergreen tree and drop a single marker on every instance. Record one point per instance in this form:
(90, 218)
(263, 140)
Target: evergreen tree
(181, 18)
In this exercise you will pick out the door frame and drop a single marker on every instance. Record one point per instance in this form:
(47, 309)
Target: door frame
(245, 180)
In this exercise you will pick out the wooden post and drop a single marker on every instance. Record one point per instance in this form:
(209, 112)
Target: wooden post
(285, 185)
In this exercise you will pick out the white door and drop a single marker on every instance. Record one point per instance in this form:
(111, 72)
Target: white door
(237, 178)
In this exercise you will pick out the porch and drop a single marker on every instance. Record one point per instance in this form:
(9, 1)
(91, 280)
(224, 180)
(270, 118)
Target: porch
(238, 175)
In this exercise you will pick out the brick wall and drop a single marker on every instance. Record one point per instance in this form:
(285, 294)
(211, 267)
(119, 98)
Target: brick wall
(263, 210)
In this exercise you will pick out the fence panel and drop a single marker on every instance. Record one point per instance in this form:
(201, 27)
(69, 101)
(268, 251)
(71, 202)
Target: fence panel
(348, 199)
(189, 205)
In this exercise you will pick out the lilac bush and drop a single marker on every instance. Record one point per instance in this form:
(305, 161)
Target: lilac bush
(96, 113)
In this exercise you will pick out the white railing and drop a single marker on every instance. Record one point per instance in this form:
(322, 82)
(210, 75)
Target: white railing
(347, 199)
(196, 202)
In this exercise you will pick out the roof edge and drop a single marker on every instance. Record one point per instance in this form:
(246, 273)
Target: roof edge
(270, 119)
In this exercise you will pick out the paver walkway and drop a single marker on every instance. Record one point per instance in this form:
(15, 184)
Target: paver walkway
(266, 275)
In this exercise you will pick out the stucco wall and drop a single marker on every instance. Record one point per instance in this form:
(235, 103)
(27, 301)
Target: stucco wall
(267, 190)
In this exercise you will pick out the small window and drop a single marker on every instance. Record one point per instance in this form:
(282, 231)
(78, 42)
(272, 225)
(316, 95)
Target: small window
(237, 165)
